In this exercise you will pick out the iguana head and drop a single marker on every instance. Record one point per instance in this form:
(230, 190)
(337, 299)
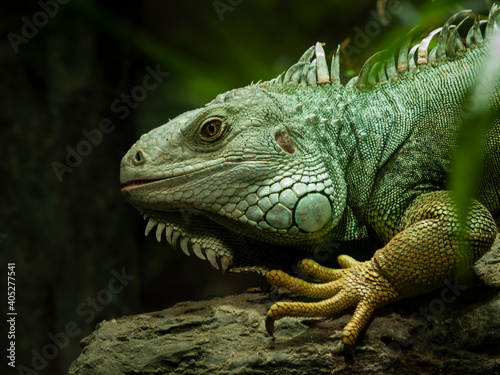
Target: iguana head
(239, 176)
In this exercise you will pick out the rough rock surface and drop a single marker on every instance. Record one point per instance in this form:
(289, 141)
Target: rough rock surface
(455, 330)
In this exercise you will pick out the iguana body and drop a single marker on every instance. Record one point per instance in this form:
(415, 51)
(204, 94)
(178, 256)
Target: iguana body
(265, 175)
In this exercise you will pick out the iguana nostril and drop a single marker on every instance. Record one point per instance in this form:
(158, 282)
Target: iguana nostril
(138, 158)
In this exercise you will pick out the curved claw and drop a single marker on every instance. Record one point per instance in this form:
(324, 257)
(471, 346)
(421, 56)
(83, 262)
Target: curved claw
(349, 353)
(270, 325)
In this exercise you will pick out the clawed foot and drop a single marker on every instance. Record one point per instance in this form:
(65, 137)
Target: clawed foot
(357, 284)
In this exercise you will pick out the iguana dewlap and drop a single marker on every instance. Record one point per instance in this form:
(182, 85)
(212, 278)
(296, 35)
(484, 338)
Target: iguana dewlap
(266, 175)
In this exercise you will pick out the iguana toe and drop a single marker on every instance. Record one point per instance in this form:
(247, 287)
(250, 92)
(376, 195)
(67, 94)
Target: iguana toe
(360, 285)
(310, 267)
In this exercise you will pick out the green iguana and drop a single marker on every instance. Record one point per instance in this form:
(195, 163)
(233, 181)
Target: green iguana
(271, 172)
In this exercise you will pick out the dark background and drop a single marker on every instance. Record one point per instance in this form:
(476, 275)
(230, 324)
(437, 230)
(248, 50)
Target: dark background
(67, 238)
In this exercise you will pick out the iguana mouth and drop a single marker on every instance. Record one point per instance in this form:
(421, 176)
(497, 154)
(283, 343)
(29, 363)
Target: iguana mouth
(181, 175)
(140, 182)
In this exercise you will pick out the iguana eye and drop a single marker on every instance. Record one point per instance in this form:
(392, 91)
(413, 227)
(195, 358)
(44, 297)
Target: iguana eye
(211, 129)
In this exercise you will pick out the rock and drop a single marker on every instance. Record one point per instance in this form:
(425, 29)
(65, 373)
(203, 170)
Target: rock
(488, 267)
(455, 330)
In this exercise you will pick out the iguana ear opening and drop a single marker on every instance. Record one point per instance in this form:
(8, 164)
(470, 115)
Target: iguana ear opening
(285, 142)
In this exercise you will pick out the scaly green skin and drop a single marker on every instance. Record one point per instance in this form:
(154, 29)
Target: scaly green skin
(265, 175)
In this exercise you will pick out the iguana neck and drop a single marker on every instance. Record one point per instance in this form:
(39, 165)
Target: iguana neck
(361, 130)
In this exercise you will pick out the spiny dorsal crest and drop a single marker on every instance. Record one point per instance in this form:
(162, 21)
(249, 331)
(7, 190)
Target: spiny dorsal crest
(312, 68)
